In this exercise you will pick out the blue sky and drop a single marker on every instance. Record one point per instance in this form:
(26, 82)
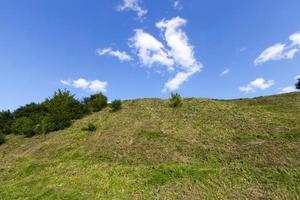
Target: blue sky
(147, 48)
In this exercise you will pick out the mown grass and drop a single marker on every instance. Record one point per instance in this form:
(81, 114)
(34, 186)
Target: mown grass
(205, 149)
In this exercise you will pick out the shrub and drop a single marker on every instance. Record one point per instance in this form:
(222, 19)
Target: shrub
(175, 100)
(115, 105)
(90, 127)
(62, 108)
(6, 120)
(24, 126)
(95, 102)
(2, 138)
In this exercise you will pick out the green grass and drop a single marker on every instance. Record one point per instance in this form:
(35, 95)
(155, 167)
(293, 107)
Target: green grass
(204, 149)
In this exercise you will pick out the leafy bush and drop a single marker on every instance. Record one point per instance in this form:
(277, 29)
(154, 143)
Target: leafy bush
(62, 108)
(90, 127)
(6, 120)
(2, 138)
(24, 126)
(95, 102)
(175, 100)
(115, 105)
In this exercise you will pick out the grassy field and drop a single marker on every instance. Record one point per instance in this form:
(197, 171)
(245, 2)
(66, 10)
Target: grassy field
(206, 149)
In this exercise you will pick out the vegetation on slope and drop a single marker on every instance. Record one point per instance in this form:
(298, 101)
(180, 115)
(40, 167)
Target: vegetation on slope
(204, 149)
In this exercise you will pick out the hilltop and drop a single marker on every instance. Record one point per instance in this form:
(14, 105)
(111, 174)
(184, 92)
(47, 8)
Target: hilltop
(205, 149)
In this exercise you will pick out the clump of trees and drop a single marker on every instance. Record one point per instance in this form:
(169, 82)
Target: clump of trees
(53, 114)
(175, 100)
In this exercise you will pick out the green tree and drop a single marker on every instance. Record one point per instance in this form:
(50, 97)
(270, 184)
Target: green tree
(34, 112)
(24, 126)
(62, 108)
(116, 105)
(6, 120)
(175, 100)
(95, 102)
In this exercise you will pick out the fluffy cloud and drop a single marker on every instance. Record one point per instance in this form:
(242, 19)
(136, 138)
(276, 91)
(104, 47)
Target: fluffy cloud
(121, 55)
(134, 6)
(258, 83)
(274, 52)
(225, 72)
(297, 77)
(180, 50)
(295, 38)
(280, 51)
(177, 56)
(81, 83)
(291, 53)
(287, 89)
(150, 50)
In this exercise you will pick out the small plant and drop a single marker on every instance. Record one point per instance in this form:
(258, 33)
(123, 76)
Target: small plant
(90, 127)
(2, 139)
(175, 100)
(115, 105)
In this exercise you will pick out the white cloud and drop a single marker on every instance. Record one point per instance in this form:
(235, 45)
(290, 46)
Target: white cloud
(98, 86)
(287, 89)
(280, 51)
(177, 56)
(177, 4)
(150, 50)
(64, 82)
(181, 51)
(134, 6)
(291, 53)
(295, 38)
(81, 83)
(258, 83)
(121, 55)
(297, 77)
(225, 72)
(274, 52)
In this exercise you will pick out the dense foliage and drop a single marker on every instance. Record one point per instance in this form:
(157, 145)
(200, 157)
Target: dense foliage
(2, 138)
(95, 102)
(175, 100)
(6, 120)
(55, 113)
(116, 105)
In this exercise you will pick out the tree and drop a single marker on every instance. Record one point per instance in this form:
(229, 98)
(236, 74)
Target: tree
(24, 126)
(175, 100)
(298, 84)
(116, 105)
(34, 114)
(6, 120)
(95, 102)
(62, 108)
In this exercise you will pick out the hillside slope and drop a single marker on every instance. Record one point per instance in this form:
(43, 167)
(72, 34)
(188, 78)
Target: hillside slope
(206, 149)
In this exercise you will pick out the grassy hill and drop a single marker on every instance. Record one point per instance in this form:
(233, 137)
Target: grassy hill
(206, 149)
